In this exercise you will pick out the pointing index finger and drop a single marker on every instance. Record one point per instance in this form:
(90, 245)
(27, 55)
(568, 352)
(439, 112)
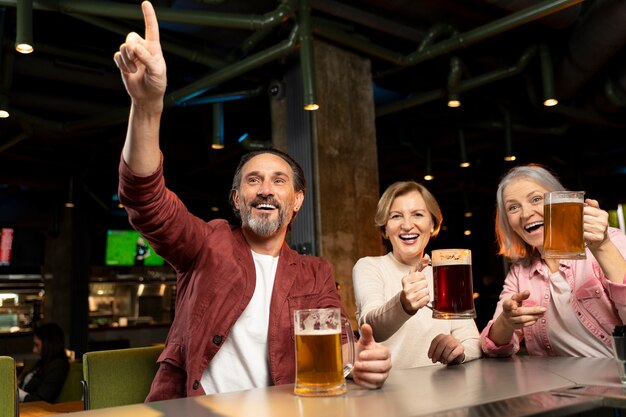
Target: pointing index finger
(151, 22)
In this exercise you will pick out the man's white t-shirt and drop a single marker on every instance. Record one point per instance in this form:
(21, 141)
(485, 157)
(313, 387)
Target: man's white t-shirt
(242, 362)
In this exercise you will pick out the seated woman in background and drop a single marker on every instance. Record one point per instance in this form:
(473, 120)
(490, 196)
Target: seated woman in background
(391, 291)
(560, 307)
(45, 381)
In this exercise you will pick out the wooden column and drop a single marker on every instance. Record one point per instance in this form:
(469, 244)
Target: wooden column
(345, 163)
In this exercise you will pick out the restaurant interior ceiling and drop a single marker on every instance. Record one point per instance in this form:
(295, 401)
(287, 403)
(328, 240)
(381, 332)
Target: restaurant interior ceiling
(68, 107)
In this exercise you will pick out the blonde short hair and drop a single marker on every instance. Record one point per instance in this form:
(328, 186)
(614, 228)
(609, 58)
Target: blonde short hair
(401, 188)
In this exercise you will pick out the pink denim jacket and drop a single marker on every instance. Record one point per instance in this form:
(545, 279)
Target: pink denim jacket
(599, 304)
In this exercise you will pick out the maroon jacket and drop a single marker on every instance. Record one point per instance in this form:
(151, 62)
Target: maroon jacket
(215, 282)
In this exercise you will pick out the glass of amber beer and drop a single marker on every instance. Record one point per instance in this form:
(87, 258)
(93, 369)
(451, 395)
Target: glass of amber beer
(320, 368)
(453, 291)
(563, 225)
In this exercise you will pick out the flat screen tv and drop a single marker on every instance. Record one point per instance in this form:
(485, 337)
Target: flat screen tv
(6, 245)
(128, 248)
(21, 247)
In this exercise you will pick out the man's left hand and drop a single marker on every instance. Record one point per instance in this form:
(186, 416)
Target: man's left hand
(373, 360)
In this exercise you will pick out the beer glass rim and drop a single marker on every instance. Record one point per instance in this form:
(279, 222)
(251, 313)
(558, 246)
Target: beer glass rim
(299, 310)
(579, 194)
(439, 257)
(450, 249)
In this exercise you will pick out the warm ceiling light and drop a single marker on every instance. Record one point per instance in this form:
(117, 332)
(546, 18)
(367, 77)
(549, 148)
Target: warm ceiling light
(547, 77)
(69, 203)
(462, 150)
(468, 212)
(307, 67)
(454, 78)
(454, 103)
(428, 176)
(218, 126)
(550, 102)
(454, 100)
(24, 27)
(508, 141)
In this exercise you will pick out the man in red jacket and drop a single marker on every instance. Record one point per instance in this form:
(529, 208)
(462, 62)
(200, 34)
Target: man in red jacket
(237, 287)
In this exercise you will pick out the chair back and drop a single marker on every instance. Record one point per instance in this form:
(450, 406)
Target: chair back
(118, 377)
(72, 388)
(8, 387)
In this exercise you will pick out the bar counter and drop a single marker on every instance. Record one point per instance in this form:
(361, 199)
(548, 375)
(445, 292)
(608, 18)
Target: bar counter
(518, 386)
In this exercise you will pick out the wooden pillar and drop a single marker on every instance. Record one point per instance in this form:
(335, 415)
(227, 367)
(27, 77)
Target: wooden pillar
(339, 140)
(346, 163)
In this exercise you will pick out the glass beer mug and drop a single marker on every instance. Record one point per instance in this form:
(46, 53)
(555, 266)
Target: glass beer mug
(320, 369)
(563, 225)
(453, 290)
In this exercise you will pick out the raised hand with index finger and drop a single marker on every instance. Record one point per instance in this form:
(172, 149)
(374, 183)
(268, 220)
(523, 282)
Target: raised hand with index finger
(142, 65)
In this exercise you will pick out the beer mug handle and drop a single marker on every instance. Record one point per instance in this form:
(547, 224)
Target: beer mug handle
(348, 364)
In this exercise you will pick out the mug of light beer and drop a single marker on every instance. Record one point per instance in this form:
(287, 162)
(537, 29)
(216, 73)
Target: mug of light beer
(320, 367)
(453, 290)
(563, 225)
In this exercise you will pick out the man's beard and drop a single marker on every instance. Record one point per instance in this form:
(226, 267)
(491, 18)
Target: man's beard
(261, 224)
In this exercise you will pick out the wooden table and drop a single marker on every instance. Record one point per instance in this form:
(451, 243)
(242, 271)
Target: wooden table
(42, 408)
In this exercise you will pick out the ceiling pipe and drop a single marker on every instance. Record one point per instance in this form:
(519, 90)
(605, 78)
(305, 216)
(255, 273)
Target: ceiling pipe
(193, 55)
(463, 86)
(369, 20)
(79, 56)
(454, 80)
(438, 31)
(69, 71)
(14, 141)
(221, 98)
(175, 98)
(491, 29)
(455, 42)
(203, 84)
(307, 66)
(192, 17)
(600, 35)
(558, 20)
(253, 22)
(75, 106)
(253, 40)
(233, 71)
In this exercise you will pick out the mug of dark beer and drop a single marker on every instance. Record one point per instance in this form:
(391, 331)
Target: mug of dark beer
(563, 225)
(320, 367)
(453, 291)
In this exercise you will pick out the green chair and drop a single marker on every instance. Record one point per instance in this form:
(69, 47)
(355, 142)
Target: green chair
(72, 388)
(118, 377)
(8, 387)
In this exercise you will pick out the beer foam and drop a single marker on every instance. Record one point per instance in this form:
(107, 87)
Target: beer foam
(560, 200)
(314, 332)
(451, 257)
